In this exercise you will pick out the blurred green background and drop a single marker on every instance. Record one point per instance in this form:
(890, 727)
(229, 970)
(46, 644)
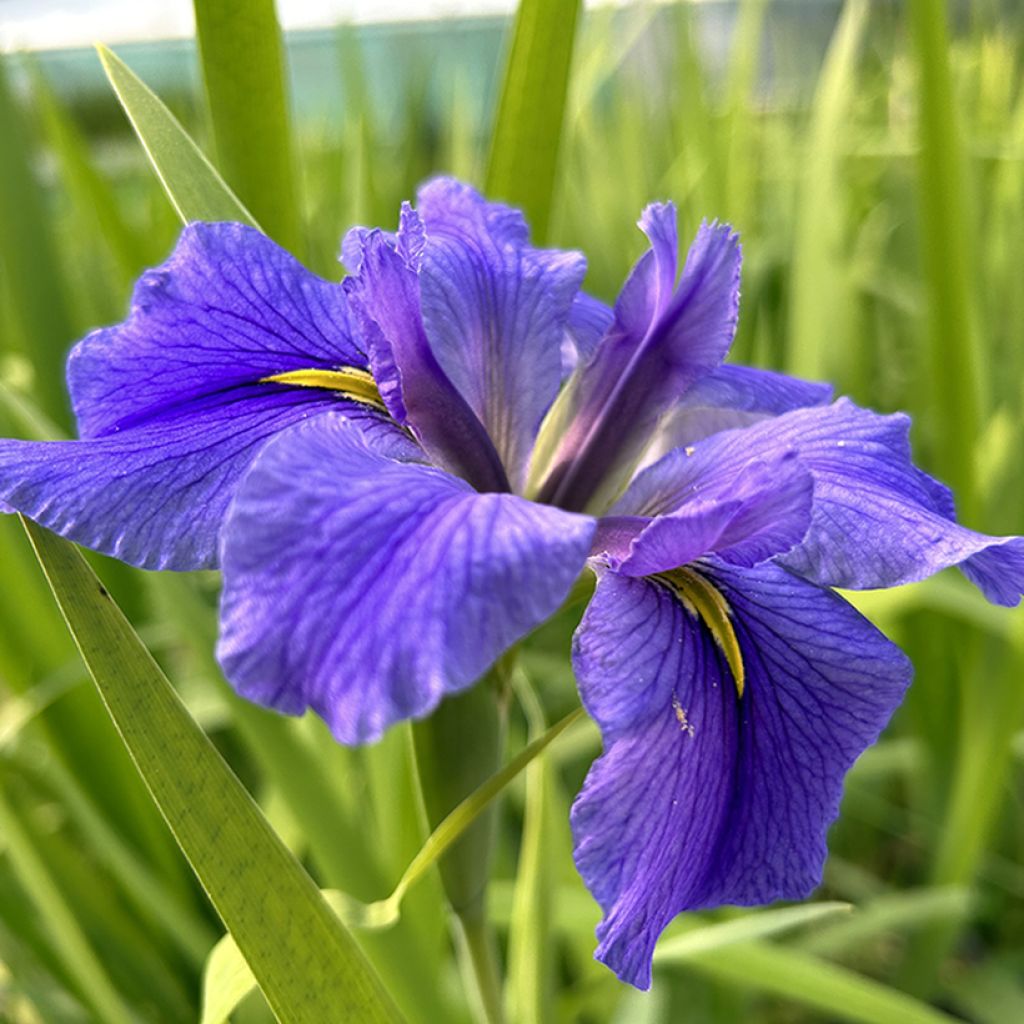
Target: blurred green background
(871, 154)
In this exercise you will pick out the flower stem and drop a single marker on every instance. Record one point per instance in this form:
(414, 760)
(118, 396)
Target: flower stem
(479, 958)
(457, 749)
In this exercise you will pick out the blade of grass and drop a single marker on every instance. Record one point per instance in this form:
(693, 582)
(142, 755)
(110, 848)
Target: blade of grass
(29, 259)
(818, 281)
(945, 253)
(893, 912)
(243, 68)
(91, 193)
(705, 938)
(223, 985)
(530, 955)
(35, 984)
(191, 933)
(192, 183)
(382, 913)
(740, 91)
(527, 133)
(76, 955)
(809, 981)
(266, 900)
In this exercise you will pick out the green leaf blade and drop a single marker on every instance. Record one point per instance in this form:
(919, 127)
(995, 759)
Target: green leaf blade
(792, 974)
(243, 69)
(527, 133)
(192, 183)
(307, 964)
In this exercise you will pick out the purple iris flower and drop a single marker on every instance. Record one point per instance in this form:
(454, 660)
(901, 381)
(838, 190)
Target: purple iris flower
(403, 474)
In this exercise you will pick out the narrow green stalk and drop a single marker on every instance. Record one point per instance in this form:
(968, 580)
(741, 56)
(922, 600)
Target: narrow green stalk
(73, 950)
(529, 935)
(528, 128)
(457, 749)
(984, 763)
(39, 310)
(243, 69)
(479, 955)
(945, 252)
(821, 325)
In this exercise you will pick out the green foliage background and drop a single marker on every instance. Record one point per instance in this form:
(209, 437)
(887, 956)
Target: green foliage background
(882, 215)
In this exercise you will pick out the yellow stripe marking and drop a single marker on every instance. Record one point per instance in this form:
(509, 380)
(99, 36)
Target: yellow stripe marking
(703, 600)
(350, 381)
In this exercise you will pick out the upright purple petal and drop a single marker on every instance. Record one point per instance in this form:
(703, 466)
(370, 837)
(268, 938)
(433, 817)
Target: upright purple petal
(385, 301)
(368, 588)
(495, 312)
(663, 340)
(450, 206)
(589, 321)
(704, 797)
(729, 397)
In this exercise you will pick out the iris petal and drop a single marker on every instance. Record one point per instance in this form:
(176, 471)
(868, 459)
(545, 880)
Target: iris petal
(877, 521)
(729, 397)
(662, 341)
(385, 301)
(369, 588)
(702, 798)
(495, 310)
(589, 320)
(174, 403)
(762, 511)
(155, 495)
(228, 308)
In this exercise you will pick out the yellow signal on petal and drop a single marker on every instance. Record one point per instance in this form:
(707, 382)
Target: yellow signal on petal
(702, 599)
(350, 381)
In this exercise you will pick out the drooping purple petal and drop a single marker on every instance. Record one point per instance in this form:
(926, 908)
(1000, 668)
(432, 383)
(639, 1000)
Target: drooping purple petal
(702, 797)
(174, 403)
(385, 301)
(495, 312)
(228, 309)
(662, 341)
(368, 589)
(155, 495)
(878, 521)
(996, 570)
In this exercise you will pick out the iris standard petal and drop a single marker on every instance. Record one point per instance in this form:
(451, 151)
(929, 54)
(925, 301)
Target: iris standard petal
(703, 797)
(154, 495)
(228, 308)
(417, 391)
(729, 397)
(661, 343)
(495, 311)
(368, 588)
(589, 320)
